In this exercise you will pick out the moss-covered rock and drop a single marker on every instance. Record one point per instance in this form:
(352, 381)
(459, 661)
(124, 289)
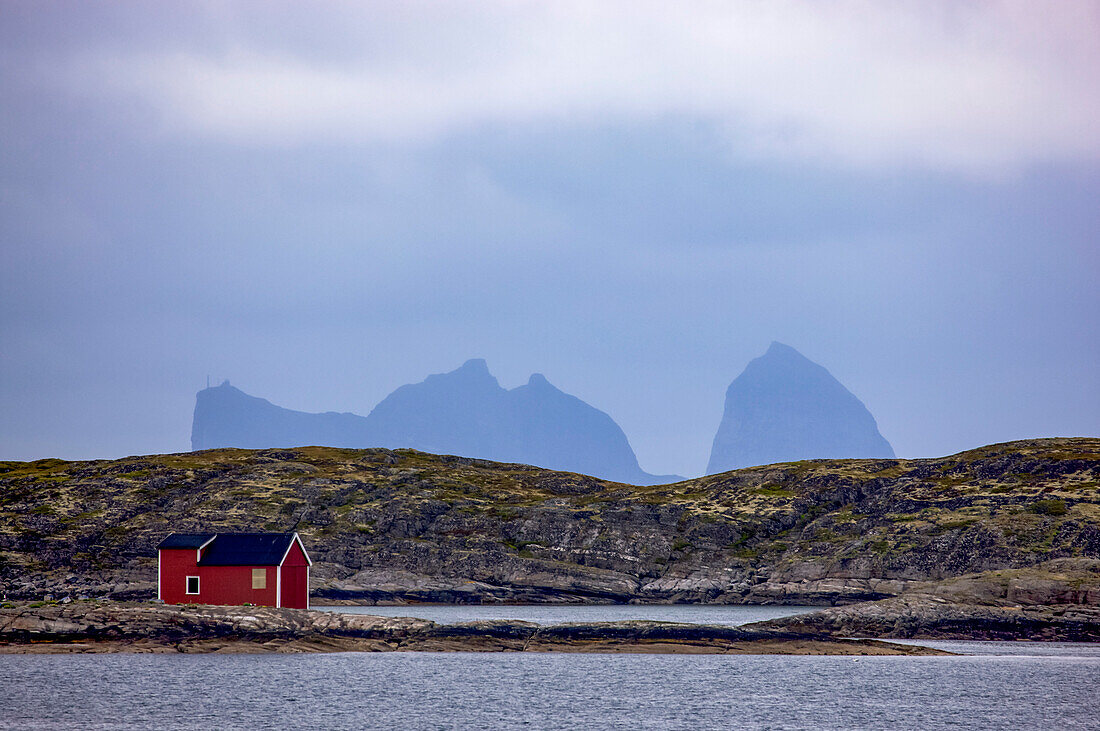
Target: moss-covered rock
(398, 524)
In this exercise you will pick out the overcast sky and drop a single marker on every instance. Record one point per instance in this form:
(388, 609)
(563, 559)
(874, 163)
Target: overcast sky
(321, 202)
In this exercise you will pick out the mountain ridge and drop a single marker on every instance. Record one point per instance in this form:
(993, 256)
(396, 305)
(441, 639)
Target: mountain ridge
(462, 412)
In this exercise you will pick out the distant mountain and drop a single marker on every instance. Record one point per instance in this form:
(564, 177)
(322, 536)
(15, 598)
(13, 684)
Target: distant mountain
(464, 412)
(228, 417)
(784, 407)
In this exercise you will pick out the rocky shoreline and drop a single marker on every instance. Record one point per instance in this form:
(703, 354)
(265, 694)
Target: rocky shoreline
(108, 626)
(931, 617)
(99, 626)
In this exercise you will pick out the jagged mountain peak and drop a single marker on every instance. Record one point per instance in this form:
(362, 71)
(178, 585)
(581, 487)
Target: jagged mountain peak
(474, 369)
(473, 366)
(537, 380)
(463, 412)
(782, 356)
(777, 349)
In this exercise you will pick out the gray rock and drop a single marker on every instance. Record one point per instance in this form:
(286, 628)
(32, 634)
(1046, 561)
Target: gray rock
(926, 616)
(450, 529)
(91, 626)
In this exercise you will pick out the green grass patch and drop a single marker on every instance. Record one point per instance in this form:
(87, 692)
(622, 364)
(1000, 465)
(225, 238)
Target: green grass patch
(1049, 507)
(954, 525)
(520, 547)
(774, 490)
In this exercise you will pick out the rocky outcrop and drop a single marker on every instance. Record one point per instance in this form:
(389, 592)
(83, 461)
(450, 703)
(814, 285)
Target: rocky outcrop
(393, 526)
(462, 412)
(785, 407)
(1057, 600)
(1055, 582)
(930, 617)
(109, 626)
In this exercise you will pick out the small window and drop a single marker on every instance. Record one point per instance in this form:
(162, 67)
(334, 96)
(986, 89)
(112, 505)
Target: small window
(259, 578)
(192, 585)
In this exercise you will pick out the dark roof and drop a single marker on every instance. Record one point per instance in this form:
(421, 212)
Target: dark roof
(235, 549)
(247, 549)
(185, 540)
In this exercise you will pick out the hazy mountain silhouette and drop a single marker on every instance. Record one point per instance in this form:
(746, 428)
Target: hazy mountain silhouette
(784, 407)
(228, 417)
(464, 412)
(461, 412)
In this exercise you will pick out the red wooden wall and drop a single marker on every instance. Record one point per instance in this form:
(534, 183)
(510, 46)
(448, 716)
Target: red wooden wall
(231, 585)
(295, 579)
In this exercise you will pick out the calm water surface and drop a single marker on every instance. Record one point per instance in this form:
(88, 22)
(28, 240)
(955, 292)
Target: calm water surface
(731, 616)
(1001, 686)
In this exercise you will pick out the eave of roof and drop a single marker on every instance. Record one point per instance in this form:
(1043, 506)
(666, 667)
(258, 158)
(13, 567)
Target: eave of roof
(185, 540)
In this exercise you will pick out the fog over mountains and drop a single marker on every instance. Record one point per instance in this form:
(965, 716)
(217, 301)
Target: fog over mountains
(783, 407)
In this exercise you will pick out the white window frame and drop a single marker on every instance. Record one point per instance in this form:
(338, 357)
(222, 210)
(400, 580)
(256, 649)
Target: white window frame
(262, 577)
(187, 585)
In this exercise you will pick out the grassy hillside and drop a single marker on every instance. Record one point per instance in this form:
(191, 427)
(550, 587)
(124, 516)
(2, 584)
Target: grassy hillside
(384, 524)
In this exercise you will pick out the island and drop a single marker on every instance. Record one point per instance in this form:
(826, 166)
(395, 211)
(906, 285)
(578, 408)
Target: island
(1001, 542)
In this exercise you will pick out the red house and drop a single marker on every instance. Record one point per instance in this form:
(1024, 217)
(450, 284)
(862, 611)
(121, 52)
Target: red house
(271, 569)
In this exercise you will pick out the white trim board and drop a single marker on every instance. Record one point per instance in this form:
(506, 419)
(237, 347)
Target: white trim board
(198, 551)
(296, 538)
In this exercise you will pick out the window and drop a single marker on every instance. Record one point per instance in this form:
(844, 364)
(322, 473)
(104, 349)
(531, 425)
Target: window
(192, 585)
(259, 578)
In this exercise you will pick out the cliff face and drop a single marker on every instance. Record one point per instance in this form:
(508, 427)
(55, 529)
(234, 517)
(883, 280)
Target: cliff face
(387, 525)
(785, 407)
(462, 412)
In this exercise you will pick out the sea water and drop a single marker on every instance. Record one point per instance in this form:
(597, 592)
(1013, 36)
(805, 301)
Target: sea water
(1002, 685)
(546, 614)
(988, 685)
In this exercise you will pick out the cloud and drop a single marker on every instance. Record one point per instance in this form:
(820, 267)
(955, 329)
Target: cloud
(328, 203)
(975, 88)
